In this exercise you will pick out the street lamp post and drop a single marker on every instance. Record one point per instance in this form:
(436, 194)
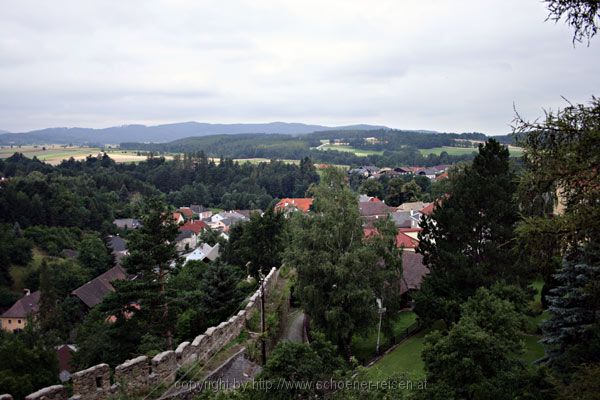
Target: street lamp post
(381, 310)
(262, 317)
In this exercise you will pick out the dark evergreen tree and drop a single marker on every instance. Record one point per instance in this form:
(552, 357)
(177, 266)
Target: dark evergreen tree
(467, 242)
(48, 299)
(572, 334)
(152, 254)
(221, 295)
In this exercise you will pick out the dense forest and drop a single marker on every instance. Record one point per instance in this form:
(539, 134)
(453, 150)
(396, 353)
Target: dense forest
(89, 194)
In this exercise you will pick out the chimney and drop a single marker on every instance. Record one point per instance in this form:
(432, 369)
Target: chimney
(27, 292)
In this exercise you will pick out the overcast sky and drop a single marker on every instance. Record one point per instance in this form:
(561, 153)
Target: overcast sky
(447, 65)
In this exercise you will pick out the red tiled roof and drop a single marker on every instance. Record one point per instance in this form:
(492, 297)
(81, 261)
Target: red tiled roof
(24, 306)
(302, 204)
(176, 216)
(403, 240)
(375, 200)
(368, 232)
(428, 209)
(186, 211)
(442, 176)
(405, 230)
(194, 226)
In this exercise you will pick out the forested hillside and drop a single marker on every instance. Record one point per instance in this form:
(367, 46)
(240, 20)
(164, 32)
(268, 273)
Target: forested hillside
(388, 147)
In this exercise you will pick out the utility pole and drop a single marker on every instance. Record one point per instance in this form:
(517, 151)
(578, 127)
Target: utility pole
(262, 317)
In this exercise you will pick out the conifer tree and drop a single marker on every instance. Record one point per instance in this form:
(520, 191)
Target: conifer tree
(152, 253)
(571, 334)
(467, 241)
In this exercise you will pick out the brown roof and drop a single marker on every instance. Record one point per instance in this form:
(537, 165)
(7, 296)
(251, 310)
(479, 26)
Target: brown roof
(94, 291)
(24, 306)
(369, 209)
(413, 271)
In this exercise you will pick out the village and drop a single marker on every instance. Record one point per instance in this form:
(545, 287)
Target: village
(196, 223)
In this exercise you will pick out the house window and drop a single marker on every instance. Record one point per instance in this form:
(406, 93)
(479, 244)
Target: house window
(10, 321)
(99, 381)
(18, 321)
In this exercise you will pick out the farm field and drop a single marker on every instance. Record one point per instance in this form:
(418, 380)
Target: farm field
(53, 154)
(459, 151)
(453, 151)
(348, 149)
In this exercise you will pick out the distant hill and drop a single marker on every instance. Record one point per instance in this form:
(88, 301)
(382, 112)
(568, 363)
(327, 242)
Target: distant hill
(161, 133)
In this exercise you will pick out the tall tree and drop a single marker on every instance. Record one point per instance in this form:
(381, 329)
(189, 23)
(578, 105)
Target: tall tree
(338, 273)
(468, 239)
(152, 252)
(48, 299)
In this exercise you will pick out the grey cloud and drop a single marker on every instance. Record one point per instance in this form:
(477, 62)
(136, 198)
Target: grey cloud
(449, 65)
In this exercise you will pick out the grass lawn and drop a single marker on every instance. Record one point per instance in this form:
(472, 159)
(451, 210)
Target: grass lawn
(533, 349)
(364, 348)
(18, 273)
(348, 149)
(406, 358)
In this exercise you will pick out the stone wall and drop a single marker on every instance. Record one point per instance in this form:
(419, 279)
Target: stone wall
(138, 375)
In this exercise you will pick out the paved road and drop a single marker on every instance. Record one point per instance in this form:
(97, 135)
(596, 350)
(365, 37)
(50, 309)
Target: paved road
(295, 327)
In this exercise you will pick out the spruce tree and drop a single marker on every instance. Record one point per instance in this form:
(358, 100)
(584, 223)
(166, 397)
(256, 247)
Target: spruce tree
(152, 253)
(571, 334)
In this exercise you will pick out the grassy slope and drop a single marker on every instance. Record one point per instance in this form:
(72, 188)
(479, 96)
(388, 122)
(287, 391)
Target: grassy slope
(407, 356)
(404, 358)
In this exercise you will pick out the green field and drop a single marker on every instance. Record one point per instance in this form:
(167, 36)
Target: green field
(459, 151)
(406, 358)
(55, 154)
(348, 149)
(453, 151)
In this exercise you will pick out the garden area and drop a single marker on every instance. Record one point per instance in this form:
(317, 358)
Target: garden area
(406, 357)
